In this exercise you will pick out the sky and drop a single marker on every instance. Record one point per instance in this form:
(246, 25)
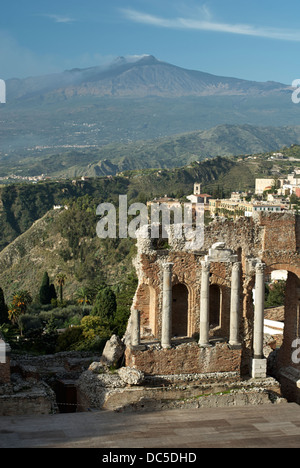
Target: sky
(255, 40)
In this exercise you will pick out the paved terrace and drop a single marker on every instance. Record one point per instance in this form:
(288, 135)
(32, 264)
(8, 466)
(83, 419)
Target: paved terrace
(266, 426)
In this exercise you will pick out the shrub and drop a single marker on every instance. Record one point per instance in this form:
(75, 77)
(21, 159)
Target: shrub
(30, 322)
(105, 305)
(93, 327)
(68, 340)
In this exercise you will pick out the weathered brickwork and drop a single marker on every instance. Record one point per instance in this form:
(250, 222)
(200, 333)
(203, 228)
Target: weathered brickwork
(273, 239)
(5, 371)
(185, 359)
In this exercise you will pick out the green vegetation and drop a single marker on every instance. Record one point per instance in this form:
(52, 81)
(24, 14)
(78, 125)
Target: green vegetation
(18, 307)
(36, 328)
(47, 290)
(275, 294)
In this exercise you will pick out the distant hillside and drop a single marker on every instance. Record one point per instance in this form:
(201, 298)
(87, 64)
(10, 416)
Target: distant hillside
(22, 204)
(46, 247)
(164, 153)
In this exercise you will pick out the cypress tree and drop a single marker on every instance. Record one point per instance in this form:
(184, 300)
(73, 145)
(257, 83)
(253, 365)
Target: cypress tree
(3, 309)
(52, 291)
(45, 294)
(105, 305)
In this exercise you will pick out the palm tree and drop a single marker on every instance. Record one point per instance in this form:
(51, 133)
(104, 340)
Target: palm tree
(18, 307)
(61, 281)
(83, 296)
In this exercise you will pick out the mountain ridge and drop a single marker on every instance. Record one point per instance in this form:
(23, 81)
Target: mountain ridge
(147, 76)
(130, 100)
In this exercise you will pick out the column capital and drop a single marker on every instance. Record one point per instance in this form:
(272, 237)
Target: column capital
(260, 267)
(236, 266)
(167, 267)
(205, 266)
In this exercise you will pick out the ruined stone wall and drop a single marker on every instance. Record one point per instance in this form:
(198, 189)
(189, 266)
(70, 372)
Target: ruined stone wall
(272, 238)
(5, 371)
(186, 271)
(185, 358)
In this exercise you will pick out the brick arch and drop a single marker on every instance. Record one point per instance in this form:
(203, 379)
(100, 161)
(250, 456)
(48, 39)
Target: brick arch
(291, 320)
(283, 266)
(193, 300)
(215, 305)
(146, 302)
(180, 309)
(291, 311)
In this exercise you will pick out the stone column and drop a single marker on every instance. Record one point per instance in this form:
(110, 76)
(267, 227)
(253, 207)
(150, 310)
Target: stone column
(135, 327)
(204, 305)
(2, 352)
(166, 325)
(235, 305)
(259, 363)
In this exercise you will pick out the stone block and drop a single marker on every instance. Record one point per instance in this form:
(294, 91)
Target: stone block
(131, 376)
(113, 351)
(259, 368)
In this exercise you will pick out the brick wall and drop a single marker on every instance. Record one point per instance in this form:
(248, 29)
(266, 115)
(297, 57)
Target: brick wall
(185, 359)
(279, 232)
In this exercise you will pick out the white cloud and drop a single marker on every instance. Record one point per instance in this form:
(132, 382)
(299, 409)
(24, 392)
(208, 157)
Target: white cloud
(206, 24)
(59, 18)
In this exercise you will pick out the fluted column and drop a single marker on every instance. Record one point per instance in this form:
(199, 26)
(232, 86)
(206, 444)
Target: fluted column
(259, 363)
(166, 326)
(204, 305)
(135, 328)
(235, 305)
(2, 352)
(258, 333)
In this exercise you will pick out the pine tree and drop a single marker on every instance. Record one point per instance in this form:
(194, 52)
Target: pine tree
(61, 281)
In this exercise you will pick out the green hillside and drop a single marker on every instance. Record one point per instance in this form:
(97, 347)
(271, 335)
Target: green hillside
(176, 151)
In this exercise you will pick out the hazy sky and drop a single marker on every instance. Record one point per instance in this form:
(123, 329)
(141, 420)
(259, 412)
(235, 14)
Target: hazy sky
(257, 40)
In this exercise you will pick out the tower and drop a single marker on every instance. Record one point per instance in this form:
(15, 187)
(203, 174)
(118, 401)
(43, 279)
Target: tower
(197, 188)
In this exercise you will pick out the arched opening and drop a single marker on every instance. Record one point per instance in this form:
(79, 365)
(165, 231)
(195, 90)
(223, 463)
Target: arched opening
(145, 302)
(275, 292)
(215, 298)
(180, 296)
(287, 313)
